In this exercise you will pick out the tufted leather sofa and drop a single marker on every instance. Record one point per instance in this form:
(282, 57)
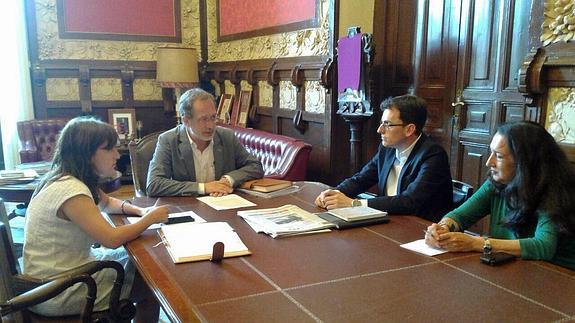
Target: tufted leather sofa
(38, 138)
(282, 157)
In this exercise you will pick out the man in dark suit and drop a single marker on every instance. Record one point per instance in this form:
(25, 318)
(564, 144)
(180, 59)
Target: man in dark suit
(197, 157)
(411, 170)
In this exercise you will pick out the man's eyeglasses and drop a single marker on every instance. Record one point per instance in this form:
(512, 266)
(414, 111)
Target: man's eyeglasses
(207, 119)
(388, 125)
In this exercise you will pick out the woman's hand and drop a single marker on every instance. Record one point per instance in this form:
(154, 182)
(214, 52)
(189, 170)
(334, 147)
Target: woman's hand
(156, 214)
(433, 233)
(458, 241)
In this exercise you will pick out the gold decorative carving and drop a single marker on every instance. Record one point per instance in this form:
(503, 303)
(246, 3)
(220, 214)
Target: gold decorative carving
(216, 87)
(50, 46)
(560, 119)
(306, 42)
(288, 96)
(266, 94)
(314, 97)
(106, 89)
(229, 88)
(147, 90)
(559, 21)
(245, 86)
(62, 89)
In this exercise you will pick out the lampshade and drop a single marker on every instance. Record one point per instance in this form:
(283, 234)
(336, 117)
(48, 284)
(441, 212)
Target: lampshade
(177, 67)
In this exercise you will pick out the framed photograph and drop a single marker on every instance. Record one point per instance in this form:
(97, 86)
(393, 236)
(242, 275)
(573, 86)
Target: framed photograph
(244, 107)
(124, 121)
(224, 108)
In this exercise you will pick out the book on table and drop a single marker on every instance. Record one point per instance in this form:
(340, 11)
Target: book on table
(357, 216)
(266, 184)
(193, 241)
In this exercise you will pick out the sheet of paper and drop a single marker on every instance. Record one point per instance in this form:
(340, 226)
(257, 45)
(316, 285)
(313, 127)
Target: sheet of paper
(226, 202)
(197, 218)
(421, 247)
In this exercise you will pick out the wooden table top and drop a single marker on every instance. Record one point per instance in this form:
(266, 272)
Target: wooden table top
(355, 275)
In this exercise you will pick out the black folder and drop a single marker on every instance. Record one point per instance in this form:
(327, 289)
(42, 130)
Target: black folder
(342, 224)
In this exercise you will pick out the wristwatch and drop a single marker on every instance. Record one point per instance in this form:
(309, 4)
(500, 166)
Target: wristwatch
(486, 245)
(356, 202)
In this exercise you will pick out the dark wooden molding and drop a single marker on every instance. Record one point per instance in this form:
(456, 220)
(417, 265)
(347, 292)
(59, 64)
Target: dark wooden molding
(85, 89)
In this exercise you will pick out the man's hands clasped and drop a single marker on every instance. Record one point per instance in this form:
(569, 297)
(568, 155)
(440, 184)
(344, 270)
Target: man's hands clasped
(219, 188)
(332, 199)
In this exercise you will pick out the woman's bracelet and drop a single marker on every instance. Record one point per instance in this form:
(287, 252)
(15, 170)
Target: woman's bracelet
(122, 206)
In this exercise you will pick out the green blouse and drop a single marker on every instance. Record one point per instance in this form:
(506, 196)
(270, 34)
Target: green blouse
(542, 243)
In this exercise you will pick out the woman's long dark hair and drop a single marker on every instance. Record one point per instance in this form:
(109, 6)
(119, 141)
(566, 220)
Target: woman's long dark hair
(544, 179)
(77, 144)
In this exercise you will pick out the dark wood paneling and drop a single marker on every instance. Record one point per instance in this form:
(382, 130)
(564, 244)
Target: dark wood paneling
(315, 128)
(473, 159)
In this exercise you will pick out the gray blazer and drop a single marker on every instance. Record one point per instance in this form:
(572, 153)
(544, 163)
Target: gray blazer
(172, 171)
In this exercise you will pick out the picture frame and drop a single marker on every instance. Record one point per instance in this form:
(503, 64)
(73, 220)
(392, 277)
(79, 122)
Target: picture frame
(224, 108)
(110, 20)
(244, 108)
(124, 121)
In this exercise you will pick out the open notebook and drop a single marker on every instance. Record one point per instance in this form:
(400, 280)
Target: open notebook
(192, 241)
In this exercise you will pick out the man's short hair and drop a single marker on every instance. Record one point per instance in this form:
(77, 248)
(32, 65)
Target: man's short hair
(412, 109)
(187, 100)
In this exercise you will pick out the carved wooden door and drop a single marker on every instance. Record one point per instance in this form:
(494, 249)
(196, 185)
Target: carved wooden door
(468, 55)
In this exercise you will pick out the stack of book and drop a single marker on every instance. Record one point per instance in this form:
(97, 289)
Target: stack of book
(17, 176)
(268, 187)
(356, 216)
(284, 221)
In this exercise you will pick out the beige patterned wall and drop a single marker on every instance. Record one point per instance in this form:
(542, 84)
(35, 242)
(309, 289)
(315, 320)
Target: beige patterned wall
(306, 42)
(62, 89)
(560, 119)
(266, 93)
(559, 21)
(288, 95)
(50, 46)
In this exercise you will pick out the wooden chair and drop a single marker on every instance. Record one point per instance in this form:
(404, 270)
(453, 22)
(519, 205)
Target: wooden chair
(141, 153)
(461, 192)
(19, 292)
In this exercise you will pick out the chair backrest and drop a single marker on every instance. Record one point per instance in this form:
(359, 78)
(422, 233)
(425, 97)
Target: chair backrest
(461, 192)
(141, 153)
(38, 138)
(7, 267)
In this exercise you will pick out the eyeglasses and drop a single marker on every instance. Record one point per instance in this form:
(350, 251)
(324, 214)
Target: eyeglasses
(207, 119)
(388, 125)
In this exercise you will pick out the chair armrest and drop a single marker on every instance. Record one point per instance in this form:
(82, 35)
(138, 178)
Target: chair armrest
(51, 289)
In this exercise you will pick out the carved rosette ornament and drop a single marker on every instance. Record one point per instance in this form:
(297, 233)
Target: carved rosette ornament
(559, 21)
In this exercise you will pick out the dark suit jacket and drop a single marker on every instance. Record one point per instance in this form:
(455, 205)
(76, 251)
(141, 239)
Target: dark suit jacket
(425, 187)
(172, 171)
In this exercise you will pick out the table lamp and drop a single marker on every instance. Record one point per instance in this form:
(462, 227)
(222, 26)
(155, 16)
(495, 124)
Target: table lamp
(177, 68)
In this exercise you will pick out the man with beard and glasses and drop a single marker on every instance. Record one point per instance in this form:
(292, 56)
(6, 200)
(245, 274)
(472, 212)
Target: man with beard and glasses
(529, 195)
(197, 157)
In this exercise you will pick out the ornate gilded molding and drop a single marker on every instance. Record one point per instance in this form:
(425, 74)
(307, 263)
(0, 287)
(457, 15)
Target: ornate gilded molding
(147, 90)
(559, 21)
(229, 88)
(560, 119)
(288, 96)
(306, 42)
(62, 89)
(244, 85)
(50, 46)
(314, 97)
(266, 94)
(105, 89)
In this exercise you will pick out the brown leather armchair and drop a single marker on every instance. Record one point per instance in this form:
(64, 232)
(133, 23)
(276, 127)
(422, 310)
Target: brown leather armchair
(38, 138)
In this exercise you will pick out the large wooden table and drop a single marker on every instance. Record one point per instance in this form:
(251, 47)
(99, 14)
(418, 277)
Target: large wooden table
(357, 275)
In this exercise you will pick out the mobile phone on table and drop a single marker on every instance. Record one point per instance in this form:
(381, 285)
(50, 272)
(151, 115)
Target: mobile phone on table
(496, 258)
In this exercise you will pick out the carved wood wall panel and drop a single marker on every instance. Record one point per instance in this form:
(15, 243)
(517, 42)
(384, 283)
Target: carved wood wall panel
(300, 106)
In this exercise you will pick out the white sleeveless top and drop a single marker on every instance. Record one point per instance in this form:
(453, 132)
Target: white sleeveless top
(53, 245)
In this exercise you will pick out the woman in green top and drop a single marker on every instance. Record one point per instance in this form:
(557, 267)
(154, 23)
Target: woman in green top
(530, 195)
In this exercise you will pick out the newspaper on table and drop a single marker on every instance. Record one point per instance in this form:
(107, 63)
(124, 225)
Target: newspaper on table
(284, 221)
